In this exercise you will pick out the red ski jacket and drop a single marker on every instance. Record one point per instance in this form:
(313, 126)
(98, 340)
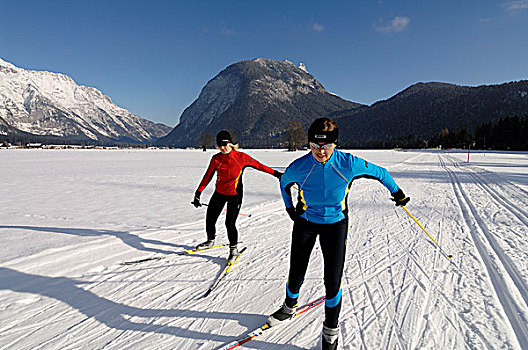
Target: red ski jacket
(229, 168)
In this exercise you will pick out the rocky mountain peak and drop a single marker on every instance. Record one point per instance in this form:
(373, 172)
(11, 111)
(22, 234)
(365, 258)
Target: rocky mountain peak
(255, 98)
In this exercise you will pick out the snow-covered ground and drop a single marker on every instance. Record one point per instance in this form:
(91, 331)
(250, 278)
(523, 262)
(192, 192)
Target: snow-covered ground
(68, 220)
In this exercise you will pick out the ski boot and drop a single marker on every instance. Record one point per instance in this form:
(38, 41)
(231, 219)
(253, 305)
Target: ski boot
(205, 245)
(329, 338)
(281, 316)
(233, 254)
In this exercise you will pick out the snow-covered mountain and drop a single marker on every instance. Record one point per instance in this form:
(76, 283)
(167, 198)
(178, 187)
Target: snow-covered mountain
(256, 99)
(51, 105)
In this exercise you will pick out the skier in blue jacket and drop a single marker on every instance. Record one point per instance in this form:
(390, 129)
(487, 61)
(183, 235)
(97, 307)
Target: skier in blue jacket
(324, 177)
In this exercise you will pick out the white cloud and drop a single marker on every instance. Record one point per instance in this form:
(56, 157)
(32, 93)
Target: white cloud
(516, 5)
(318, 27)
(228, 31)
(397, 24)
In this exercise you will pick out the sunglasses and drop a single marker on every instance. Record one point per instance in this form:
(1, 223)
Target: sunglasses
(326, 146)
(223, 143)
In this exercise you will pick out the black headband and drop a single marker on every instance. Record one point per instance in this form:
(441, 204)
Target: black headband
(323, 136)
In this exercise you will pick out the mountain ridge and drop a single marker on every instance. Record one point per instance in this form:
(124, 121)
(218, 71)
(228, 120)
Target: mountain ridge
(256, 99)
(423, 109)
(53, 106)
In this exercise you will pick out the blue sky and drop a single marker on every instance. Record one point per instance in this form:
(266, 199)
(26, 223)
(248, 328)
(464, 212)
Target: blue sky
(153, 57)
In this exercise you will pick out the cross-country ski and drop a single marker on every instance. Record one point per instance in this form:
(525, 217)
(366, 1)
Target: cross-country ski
(223, 274)
(183, 252)
(265, 327)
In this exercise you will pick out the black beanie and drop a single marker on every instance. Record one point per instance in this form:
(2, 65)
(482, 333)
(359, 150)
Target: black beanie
(223, 136)
(316, 133)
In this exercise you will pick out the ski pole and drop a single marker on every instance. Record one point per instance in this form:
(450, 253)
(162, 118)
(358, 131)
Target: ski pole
(243, 214)
(441, 250)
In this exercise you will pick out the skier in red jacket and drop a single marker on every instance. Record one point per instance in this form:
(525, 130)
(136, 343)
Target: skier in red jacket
(229, 165)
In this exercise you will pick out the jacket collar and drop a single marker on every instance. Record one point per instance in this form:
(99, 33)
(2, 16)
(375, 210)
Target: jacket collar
(230, 154)
(327, 163)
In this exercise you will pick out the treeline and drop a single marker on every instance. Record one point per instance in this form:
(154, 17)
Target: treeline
(507, 134)
(21, 139)
(510, 133)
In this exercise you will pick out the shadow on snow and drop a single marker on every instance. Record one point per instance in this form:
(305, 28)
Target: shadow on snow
(112, 314)
(129, 239)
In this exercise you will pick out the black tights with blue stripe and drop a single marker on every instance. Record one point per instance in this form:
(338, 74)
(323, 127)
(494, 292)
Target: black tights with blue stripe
(332, 238)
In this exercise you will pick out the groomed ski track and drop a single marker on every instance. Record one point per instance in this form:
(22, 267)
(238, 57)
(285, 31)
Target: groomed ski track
(71, 291)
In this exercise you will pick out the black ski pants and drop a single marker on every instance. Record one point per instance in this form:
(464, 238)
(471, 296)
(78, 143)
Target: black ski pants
(216, 204)
(332, 238)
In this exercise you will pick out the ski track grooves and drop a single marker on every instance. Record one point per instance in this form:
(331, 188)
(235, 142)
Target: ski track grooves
(519, 214)
(393, 295)
(400, 291)
(481, 236)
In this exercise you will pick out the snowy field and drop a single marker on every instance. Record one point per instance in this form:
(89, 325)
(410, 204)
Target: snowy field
(69, 219)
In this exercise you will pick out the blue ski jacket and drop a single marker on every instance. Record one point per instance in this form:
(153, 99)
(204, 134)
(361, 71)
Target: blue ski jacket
(324, 187)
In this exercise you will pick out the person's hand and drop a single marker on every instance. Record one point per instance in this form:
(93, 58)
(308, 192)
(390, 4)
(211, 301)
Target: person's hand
(399, 198)
(292, 213)
(277, 174)
(196, 200)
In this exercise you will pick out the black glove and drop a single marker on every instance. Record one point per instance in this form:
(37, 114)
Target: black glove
(399, 198)
(292, 213)
(196, 201)
(277, 174)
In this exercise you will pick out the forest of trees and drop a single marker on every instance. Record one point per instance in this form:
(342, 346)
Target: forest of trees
(510, 133)
(507, 134)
